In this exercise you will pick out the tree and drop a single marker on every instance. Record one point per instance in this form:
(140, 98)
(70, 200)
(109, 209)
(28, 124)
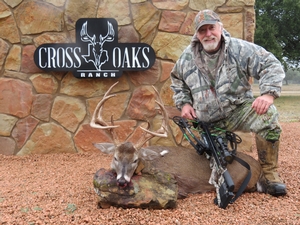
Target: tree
(278, 30)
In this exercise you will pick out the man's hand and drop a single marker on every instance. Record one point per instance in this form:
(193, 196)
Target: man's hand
(188, 112)
(261, 104)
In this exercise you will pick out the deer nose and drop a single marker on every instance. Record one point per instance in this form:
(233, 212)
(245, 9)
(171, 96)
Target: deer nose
(122, 182)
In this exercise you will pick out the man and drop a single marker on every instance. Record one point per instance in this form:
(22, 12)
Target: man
(210, 81)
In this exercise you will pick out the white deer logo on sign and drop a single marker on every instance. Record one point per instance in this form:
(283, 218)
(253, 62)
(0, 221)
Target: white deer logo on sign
(100, 56)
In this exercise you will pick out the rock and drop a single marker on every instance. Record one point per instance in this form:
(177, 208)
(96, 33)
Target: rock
(7, 122)
(41, 106)
(7, 146)
(166, 93)
(16, 97)
(170, 4)
(142, 103)
(76, 9)
(73, 86)
(170, 45)
(114, 106)
(147, 77)
(86, 136)
(127, 34)
(13, 61)
(27, 62)
(145, 19)
(166, 68)
(35, 17)
(68, 111)
(44, 83)
(23, 129)
(8, 26)
(4, 49)
(118, 9)
(48, 138)
(157, 190)
(171, 21)
(13, 3)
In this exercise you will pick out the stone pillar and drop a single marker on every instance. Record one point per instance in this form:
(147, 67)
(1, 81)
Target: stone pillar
(49, 112)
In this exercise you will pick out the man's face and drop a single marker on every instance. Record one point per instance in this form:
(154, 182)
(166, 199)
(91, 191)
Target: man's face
(210, 37)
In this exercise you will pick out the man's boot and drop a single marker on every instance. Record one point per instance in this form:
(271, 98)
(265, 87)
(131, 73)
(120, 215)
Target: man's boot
(268, 159)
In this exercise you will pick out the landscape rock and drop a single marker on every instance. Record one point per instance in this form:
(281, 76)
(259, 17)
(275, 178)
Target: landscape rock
(151, 191)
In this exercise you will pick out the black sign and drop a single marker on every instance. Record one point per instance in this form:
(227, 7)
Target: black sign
(96, 53)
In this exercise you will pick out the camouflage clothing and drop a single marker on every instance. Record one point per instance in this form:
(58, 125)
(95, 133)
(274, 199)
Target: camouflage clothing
(216, 97)
(244, 118)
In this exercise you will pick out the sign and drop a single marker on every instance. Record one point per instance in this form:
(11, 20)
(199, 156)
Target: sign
(96, 53)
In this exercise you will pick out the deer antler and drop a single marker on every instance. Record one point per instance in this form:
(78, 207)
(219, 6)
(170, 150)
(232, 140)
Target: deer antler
(97, 120)
(109, 37)
(84, 35)
(161, 132)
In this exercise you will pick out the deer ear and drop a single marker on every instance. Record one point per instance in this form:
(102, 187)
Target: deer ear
(108, 148)
(148, 154)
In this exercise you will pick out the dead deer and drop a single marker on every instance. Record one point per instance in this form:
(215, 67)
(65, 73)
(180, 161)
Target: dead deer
(191, 170)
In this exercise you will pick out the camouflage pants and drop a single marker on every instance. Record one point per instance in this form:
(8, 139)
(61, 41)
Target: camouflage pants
(244, 118)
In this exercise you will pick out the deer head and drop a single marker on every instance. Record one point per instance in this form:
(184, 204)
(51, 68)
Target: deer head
(127, 156)
(100, 55)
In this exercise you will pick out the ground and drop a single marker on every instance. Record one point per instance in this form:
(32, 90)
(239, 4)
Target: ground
(58, 189)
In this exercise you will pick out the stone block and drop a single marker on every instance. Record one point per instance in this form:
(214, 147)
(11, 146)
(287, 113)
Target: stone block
(152, 191)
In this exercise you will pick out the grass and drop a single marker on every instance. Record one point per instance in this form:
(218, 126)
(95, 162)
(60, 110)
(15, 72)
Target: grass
(288, 105)
(288, 108)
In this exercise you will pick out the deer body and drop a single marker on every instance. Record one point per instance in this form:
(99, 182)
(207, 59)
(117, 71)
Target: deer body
(191, 170)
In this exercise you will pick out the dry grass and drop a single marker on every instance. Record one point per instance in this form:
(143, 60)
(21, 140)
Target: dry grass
(288, 104)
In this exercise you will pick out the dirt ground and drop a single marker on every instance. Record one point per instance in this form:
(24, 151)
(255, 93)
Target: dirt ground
(58, 189)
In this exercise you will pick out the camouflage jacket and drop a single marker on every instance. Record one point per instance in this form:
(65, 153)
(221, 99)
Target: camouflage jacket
(240, 60)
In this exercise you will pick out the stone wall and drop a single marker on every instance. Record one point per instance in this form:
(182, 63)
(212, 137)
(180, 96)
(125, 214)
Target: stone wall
(43, 112)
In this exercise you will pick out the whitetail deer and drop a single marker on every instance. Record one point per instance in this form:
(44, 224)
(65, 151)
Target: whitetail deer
(191, 170)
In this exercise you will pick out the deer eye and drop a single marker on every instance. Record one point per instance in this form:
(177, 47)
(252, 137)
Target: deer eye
(115, 159)
(135, 161)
